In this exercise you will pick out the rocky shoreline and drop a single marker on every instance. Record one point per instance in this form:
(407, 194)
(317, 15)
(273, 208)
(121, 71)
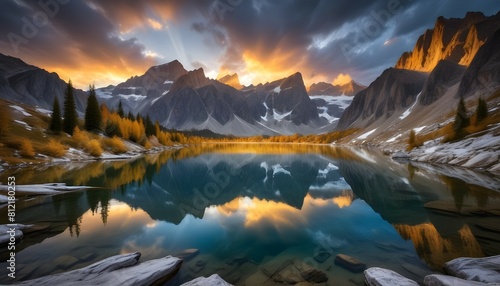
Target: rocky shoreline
(125, 269)
(480, 153)
(461, 271)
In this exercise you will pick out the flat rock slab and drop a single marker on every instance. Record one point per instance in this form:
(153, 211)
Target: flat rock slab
(5, 235)
(213, 280)
(350, 263)
(376, 276)
(291, 271)
(444, 280)
(44, 189)
(123, 270)
(486, 269)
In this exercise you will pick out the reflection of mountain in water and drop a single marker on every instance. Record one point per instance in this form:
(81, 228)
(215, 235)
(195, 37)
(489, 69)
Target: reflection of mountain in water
(193, 184)
(389, 194)
(432, 212)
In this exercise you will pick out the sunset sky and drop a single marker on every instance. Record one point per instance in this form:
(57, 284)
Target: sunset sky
(107, 41)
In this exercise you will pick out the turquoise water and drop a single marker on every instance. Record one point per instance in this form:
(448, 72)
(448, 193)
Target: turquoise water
(245, 208)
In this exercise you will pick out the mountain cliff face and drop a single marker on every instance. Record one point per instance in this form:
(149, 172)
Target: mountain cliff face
(282, 99)
(323, 88)
(444, 75)
(394, 90)
(483, 74)
(34, 86)
(231, 80)
(456, 40)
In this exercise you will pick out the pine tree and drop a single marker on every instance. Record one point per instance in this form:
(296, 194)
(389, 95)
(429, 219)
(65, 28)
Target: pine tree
(482, 110)
(120, 109)
(461, 119)
(149, 126)
(93, 117)
(56, 120)
(70, 117)
(131, 116)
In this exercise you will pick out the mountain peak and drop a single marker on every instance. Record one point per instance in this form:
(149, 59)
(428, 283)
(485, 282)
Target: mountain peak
(194, 79)
(452, 39)
(231, 80)
(324, 88)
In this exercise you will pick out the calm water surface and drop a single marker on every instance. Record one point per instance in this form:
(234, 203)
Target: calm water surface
(248, 207)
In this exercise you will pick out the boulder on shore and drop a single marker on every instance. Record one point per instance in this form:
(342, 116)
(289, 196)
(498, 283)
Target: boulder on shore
(17, 234)
(376, 276)
(445, 280)
(213, 280)
(120, 270)
(486, 269)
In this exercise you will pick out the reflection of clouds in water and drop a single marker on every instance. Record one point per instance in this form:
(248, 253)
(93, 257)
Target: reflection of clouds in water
(154, 249)
(322, 173)
(343, 201)
(341, 184)
(326, 240)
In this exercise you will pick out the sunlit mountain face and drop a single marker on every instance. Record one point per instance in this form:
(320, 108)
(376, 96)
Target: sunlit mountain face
(107, 42)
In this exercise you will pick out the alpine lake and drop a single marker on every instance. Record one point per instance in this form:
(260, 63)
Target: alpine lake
(244, 210)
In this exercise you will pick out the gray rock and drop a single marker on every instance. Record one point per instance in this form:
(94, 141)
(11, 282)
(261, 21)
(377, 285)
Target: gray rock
(349, 263)
(120, 270)
(444, 280)
(481, 160)
(5, 236)
(322, 256)
(401, 155)
(314, 276)
(486, 269)
(376, 276)
(213, 280)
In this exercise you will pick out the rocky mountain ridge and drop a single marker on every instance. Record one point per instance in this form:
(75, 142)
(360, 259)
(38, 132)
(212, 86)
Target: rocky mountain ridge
(454, 39)
(186, 100)
(25, 83)
(231, 80)
(323, 88)
(420, 96)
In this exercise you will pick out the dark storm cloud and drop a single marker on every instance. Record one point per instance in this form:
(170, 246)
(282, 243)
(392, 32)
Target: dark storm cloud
(268, 29)
(316, 37)
(68, 37)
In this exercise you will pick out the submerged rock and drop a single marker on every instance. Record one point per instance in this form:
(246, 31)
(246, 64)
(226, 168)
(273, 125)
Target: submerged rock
(120, 270)
(444, 280)
(213, 280)
(322, 256)
(376, 276)
(187, 254)
(289, 271)
(350, 263)
(486, 269)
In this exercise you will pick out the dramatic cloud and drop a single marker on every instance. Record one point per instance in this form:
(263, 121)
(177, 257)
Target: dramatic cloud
(107, 41)
(342, 79)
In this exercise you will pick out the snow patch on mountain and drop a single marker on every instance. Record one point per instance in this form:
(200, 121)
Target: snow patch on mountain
(408, 111)
(365, 135)
(21, 110)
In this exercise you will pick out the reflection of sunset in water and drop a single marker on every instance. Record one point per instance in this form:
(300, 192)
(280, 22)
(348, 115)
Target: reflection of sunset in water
(437, 250)
(257, 211)
(343, 201)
